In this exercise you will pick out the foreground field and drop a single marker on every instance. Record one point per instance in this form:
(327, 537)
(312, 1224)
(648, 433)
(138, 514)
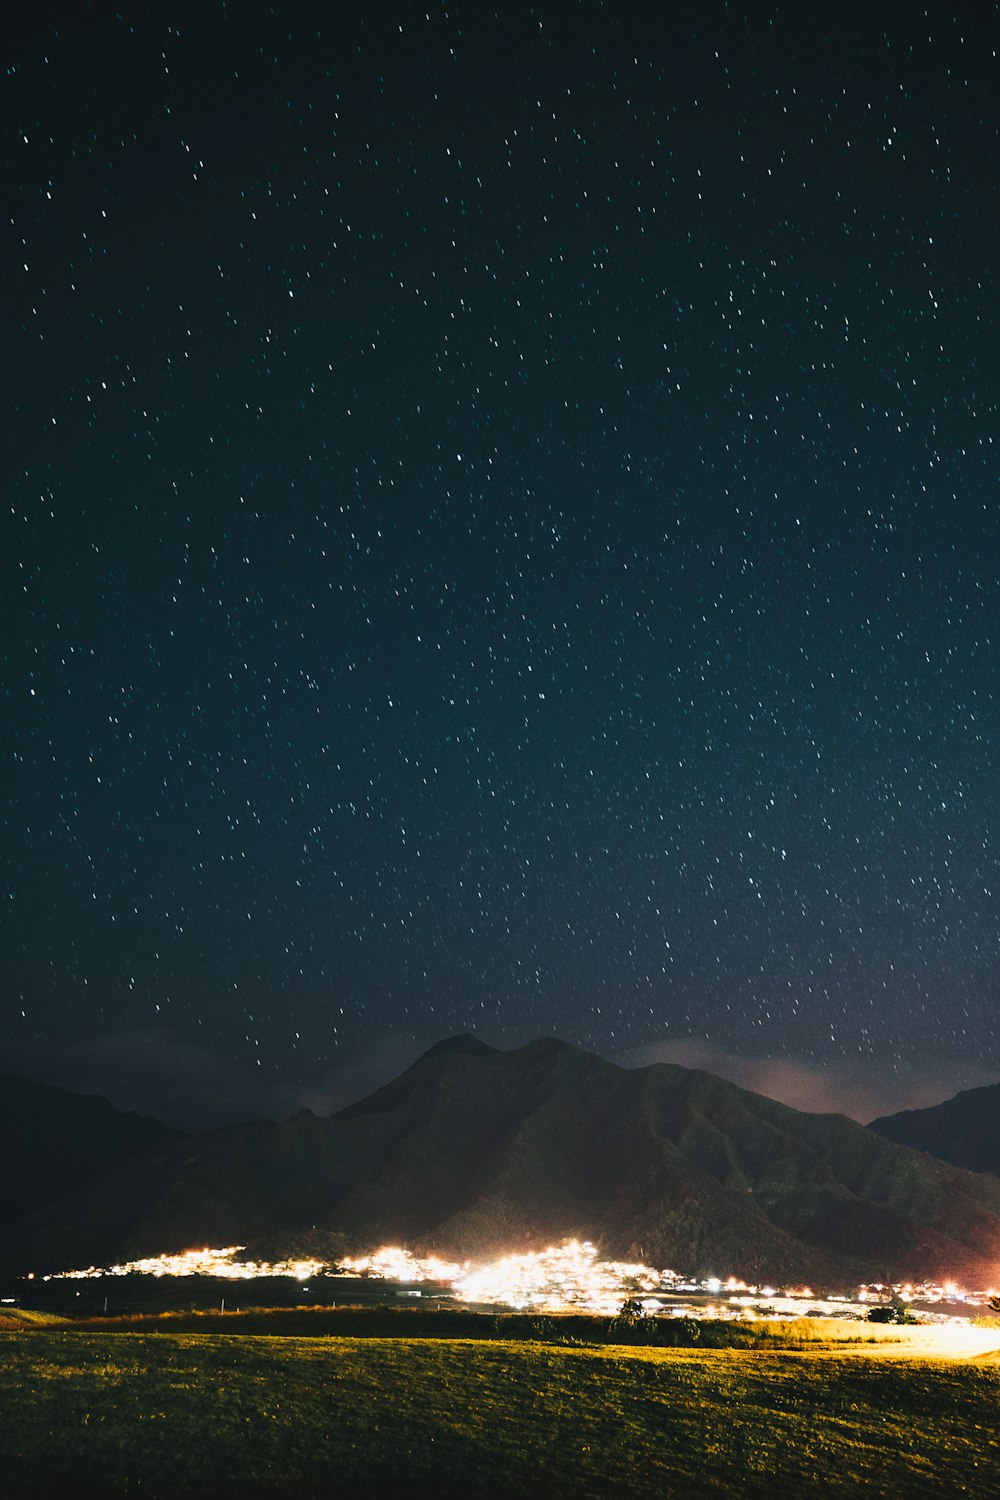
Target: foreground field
(214, 1414)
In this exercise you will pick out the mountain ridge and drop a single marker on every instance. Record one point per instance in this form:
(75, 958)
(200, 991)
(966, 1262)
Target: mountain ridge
(472, 1151)
(964, 1130)
(56, 1138)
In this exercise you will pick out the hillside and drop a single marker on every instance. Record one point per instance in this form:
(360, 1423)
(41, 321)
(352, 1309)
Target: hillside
(964, 1130)
(473, 1151)
(54, 1140)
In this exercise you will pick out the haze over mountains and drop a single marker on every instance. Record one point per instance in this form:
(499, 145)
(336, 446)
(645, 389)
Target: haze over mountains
(472, 1151)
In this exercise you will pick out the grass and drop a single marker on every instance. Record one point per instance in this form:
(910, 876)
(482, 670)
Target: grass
(13, 1318)
(166, 1415)
(450, 1323)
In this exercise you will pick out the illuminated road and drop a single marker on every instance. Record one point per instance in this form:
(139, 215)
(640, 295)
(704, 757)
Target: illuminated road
(936, 1341)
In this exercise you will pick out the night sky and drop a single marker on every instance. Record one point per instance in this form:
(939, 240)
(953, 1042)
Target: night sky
(500, 533)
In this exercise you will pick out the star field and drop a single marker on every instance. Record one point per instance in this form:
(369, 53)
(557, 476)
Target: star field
(500, 534)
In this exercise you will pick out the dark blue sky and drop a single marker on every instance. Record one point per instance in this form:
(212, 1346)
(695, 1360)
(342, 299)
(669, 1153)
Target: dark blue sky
(501, 534)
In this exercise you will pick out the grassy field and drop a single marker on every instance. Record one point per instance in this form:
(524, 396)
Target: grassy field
(163, 1414)
(464, 1323)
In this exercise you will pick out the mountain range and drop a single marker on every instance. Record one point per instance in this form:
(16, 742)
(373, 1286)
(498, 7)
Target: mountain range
(473, 1151)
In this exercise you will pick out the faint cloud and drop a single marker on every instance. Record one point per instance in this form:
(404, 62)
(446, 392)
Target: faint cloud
(863, 1092)
(333, 1088)
(196, 1087)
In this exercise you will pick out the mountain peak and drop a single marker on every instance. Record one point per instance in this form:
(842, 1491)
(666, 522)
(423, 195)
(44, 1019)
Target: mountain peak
(462, 1045)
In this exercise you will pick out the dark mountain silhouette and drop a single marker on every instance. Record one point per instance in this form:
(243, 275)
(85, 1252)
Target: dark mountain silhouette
(472, 1151)
(54, 1139)
(964, 1130)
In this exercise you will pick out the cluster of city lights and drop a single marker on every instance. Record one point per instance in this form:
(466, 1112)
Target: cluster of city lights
(565, 1277)
(562, 1276)
(568, 1275)
(392, 1263)
(223, 1263)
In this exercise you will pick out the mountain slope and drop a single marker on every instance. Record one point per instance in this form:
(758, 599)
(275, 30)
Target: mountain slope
(54, 1139)
(964, 1130)
(473, 1151)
